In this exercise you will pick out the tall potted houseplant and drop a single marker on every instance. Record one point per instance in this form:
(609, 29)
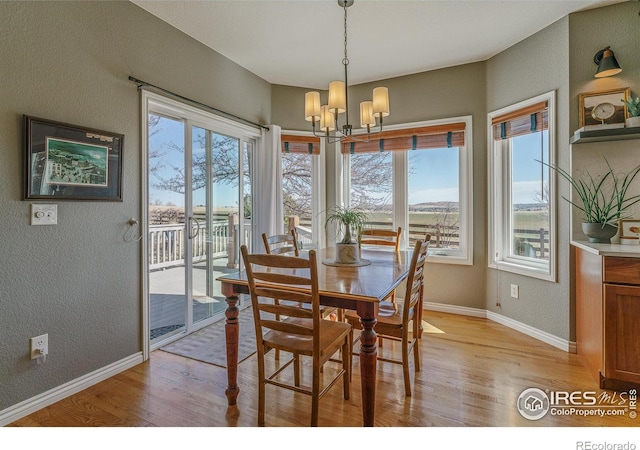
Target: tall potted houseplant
(603, 200)
(349, 222)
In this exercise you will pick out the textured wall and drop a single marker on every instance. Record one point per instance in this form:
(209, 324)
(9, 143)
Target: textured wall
(619, 27)
(79, 281)
(534, 66)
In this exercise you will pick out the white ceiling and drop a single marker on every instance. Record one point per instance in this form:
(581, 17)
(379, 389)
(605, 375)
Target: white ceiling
(301, 42)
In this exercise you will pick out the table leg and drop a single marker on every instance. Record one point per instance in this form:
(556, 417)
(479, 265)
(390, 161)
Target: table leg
(232, 333)
(368, 366)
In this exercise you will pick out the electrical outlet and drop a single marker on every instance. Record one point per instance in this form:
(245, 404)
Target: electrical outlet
(515, 291)
(39, 346)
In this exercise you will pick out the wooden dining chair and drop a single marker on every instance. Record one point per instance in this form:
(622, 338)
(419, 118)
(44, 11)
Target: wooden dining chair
(281, 244)
(294, 329)
(287, 244)
(403, 322)
(385, 238)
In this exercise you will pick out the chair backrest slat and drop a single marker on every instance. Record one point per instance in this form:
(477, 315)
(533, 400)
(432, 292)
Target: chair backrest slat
(289, 311)
(282, 294)
(377, 236)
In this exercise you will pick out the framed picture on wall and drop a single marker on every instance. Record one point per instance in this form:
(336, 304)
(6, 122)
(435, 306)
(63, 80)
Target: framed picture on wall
(70, 162)
(604, 109)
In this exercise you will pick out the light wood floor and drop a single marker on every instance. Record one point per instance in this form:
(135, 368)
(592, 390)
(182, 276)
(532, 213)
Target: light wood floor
(473, 371)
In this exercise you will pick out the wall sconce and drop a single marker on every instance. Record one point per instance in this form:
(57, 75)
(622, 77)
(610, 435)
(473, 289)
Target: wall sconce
(606, 62)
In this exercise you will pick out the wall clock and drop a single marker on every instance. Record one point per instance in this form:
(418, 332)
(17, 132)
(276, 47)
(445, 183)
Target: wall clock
(603, 111)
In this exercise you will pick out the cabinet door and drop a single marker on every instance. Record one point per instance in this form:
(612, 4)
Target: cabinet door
(622, 332)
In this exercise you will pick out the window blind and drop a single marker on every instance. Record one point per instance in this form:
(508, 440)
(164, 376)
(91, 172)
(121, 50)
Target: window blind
(523, 121)
(436, 136)
(300, 144)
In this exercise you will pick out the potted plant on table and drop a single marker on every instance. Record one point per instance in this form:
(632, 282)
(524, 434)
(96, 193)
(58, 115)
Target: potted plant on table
(349, 222)
(603, 200)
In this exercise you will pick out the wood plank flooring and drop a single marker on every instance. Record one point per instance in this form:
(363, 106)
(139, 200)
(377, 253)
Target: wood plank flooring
(473, 371)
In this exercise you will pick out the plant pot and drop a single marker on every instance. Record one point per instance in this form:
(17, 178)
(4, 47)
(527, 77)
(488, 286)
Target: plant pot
(599, 234)
(347, 253)
(632, 122)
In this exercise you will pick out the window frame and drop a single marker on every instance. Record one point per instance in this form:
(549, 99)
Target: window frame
(499, 198)
(400, 161)
(318, 197)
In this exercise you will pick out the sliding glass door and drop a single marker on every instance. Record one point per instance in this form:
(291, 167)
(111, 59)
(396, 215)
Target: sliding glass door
(199, 212)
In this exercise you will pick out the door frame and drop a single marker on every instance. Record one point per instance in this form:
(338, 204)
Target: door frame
(152, 101)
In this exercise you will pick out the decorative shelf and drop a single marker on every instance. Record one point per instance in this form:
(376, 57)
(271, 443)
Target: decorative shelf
(616, 134)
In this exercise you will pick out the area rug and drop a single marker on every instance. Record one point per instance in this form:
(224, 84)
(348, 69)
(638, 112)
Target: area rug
(208, 344)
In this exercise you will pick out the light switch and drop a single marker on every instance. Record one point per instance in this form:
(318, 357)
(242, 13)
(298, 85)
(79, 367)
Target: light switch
(44, 214)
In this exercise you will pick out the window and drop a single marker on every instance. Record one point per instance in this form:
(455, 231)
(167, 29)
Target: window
(302, 200)
(418, 177)
(522, 189)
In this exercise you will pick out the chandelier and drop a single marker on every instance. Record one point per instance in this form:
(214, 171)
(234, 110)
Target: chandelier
(325, 118)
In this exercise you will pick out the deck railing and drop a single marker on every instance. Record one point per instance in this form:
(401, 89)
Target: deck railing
(166, 243)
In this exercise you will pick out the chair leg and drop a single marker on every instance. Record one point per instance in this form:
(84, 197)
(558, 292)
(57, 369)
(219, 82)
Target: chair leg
(405, 366)
(315, 394)
(296, 370)
(261, 390)
(346, 366)
(350, 354)
(417, 329)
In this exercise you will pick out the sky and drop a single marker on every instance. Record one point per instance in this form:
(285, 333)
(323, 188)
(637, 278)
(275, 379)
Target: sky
(433, 177)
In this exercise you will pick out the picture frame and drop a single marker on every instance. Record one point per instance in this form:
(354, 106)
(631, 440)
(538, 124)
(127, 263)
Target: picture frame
(630, 228)
(71, 162)
(589, 100)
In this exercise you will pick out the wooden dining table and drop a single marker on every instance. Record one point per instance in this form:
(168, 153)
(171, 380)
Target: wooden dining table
(360, 288)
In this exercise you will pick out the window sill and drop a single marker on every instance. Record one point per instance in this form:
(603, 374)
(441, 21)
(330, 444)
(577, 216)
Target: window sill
(521, 269)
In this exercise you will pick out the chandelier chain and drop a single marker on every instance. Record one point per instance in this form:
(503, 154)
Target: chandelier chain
(345, 61)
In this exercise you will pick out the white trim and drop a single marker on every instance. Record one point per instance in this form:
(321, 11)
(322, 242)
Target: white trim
(498, 257)
(400, 214)
(144, 225)
(22, 409)
(548, 338)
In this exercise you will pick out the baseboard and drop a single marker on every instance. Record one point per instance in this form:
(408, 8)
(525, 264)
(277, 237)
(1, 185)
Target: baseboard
(548, 338)
(58, 393)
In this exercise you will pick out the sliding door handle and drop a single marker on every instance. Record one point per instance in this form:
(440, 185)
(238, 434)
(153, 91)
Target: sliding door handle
(193, 219)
